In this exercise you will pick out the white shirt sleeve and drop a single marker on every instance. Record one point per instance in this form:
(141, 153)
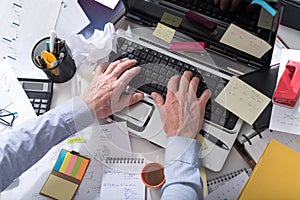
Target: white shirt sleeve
(181, 169)
(27, 143)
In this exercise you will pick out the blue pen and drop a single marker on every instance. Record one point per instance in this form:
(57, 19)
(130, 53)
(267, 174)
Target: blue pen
(213, 139)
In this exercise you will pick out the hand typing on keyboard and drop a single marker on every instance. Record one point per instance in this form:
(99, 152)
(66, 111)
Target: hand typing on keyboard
(104, 95)
(228, 4)
(182, 112)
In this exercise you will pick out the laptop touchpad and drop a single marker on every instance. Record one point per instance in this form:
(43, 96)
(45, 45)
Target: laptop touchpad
(137, 116)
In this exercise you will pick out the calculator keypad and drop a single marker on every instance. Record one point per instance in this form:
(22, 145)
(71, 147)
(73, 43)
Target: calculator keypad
(39, 105)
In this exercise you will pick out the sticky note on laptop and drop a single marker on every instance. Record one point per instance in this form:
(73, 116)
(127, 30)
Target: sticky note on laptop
(242, 100)
(66, 176)
(164, 32)
(244, 41)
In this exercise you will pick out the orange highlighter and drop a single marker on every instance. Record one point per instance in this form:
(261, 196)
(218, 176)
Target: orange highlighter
(49, 58)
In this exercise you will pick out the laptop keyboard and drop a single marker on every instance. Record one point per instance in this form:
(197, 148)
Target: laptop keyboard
(158, 68)
(239, 16)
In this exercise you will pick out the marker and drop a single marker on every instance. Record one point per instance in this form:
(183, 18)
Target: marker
(213, 139)
(52, 40)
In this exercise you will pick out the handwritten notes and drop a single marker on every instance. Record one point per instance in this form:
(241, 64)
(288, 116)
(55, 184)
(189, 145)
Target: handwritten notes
(242, 100)
(164, 33)
(108, 140)
(122, 180)
(171, 20)
(283, 118)
(245, 41)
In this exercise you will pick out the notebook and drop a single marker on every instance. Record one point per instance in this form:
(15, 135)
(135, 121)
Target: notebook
(214, 184)
(121, 179)
(66, 175)
(216, 65)
(276, 175)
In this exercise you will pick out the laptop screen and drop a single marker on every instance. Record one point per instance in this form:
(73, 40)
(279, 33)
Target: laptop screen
(213, 23)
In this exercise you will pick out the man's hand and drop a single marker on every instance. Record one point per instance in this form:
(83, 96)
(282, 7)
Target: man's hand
(231, 5)
(104, 95)
(182, 113)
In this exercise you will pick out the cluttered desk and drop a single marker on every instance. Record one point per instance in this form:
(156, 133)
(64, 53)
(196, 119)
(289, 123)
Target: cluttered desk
(167, 41)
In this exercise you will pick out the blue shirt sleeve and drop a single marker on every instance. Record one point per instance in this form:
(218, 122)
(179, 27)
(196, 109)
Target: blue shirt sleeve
(25, 144)
(181, 170)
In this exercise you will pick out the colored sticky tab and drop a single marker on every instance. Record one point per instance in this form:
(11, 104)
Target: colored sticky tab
(187, 46)
(266, 6)
(65, 163)
(60, 160)
(76, 167)
(71, 164)
(171, 20)
(82, 168)
(75, 140)
(164, 33)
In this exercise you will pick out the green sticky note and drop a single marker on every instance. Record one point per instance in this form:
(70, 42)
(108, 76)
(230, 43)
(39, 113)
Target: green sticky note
(75, 140)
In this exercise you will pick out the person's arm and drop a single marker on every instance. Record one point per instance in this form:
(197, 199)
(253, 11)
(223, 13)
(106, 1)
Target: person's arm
(182, 169)
(26, 144)
(182, 114)
(29, 142)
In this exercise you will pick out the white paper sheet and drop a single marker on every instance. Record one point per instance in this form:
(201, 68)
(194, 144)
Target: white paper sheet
(29, 184)
(71, 19)
(286, 119)
(109, 3)
(19, 101)
(23, 23)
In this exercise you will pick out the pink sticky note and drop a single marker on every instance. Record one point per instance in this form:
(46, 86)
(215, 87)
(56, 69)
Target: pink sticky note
(187, 46)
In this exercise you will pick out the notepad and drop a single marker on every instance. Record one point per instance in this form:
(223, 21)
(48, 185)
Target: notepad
(121, 179)
(275, 176)
(66, 176)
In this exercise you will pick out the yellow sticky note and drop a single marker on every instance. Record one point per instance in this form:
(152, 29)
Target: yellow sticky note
(164, 33)
(171, 20)
(243, 100)
(242, 40)
(59, 188)
(200, 138)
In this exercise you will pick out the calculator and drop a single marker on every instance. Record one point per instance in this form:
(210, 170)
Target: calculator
(39, 92)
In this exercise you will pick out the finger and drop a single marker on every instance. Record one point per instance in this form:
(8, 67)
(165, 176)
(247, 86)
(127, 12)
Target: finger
(173, 85)
(158, 99)
(122, 67)
(234, 4)
(203, 99)
(114, 64)
(194, 86)
(126, 77)
(185, 81)
(101, 68)
(224, 4)
(127, 100)
(216, 2)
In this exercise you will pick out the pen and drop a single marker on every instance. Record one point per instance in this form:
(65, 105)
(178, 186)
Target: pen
(213, 139)
(52, 41)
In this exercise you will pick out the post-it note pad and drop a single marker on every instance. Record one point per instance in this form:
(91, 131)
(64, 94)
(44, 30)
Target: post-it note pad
(243, 100)
(66, 176)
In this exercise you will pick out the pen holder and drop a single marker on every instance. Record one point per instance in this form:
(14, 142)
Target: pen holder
(60, 70)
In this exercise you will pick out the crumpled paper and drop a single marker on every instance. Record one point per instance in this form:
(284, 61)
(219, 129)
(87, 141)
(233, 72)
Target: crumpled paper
(94, 50)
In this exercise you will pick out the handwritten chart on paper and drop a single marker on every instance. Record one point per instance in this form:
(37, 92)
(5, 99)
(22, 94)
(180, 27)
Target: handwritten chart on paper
(242, 100)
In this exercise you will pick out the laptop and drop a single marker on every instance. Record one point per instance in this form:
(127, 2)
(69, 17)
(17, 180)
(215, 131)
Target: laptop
(214, 66)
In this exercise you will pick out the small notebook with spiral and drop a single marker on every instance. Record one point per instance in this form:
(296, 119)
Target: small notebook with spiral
(121, 179)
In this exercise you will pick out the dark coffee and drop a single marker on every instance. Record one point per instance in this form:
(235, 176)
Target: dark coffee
(154, 176)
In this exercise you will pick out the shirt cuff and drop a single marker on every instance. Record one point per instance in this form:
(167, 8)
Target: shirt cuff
(182, 149)
(76, 114)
